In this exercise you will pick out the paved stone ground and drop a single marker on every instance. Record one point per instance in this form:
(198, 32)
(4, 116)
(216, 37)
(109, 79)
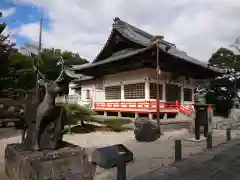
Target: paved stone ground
(148, 156)
(220, 163)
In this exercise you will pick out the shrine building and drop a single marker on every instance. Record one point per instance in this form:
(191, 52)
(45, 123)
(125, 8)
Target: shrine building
(122, 78)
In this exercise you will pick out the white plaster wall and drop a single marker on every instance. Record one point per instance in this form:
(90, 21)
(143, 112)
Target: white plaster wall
(85, 88)
(128, 77)
(71, 90)
(95, 94)
(100, 95)
(73, 95)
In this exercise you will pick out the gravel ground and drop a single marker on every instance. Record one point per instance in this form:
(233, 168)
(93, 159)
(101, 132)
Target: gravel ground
(8, 132)
(147, 156)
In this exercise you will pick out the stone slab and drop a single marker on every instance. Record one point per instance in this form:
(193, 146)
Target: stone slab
(68, 162)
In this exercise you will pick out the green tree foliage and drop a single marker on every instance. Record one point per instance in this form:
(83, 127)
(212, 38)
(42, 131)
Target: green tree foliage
(225, 58)
(6, 47)
(222, 90)
(50, 58)
(21, 71)
(16, 69)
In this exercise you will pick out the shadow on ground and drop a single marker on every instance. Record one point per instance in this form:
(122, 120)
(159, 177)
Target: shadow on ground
(88, 128)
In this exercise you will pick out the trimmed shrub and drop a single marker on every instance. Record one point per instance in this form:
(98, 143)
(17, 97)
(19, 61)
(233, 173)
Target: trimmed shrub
(115, 124)
(76, 113)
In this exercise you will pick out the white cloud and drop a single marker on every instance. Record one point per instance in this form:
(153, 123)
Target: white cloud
(7, 12)
(198, 27)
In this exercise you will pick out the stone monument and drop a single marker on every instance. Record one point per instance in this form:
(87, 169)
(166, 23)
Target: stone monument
(42, 154)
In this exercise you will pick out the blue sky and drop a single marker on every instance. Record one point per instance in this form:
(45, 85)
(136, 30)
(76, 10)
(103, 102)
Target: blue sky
(24, 14)
(198, 27)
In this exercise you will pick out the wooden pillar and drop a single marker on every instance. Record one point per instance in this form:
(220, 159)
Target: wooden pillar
(136, 115)
(119, 114)
(164, 91)
(147, 89)
(178, 150)
(105, 113)
(93, 97)
(150, 115)
(182, 93)
(193, 96)
(228, 134)
(122, 91)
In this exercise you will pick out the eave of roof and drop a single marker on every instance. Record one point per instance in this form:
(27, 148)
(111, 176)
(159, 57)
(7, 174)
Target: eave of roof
(111, 59)
(83, 78)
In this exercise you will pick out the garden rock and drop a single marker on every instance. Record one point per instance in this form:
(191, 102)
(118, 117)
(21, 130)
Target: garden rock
(146, 130)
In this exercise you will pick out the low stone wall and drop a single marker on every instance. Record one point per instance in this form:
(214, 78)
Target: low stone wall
(219, 163)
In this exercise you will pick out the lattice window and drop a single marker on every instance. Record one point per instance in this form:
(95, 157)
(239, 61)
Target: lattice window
(187, 94)
(173, 92)
(153, 91)
(113, 92)
(134, 91)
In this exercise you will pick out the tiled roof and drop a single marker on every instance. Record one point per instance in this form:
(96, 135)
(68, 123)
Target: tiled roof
(139, 36)
(145, 39)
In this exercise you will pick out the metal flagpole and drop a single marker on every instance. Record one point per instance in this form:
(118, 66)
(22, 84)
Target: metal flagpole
(157, 83)
(38, 59)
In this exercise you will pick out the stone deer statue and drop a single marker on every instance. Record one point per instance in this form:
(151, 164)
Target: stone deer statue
(45, 129)
(30, 107)
(49, 118)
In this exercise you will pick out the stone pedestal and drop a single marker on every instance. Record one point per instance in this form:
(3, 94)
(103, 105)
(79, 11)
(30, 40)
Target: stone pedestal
(193, 139)
(68, 162)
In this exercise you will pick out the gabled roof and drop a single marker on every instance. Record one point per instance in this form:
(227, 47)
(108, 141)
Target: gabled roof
(139, 36)
(146, 40)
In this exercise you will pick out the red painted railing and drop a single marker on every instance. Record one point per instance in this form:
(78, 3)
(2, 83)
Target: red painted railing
(142, 106)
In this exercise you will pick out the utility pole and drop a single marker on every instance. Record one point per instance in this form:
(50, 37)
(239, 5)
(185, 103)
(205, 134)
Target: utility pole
(38, 59)
(157, 83)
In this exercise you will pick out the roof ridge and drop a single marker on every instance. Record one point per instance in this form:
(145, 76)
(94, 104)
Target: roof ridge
(117, 21)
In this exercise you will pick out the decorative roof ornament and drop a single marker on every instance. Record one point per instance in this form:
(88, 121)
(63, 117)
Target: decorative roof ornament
(157, 38)
(116, 19)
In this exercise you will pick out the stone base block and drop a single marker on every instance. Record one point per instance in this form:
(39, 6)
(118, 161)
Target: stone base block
(68, 162)
(193, 139)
